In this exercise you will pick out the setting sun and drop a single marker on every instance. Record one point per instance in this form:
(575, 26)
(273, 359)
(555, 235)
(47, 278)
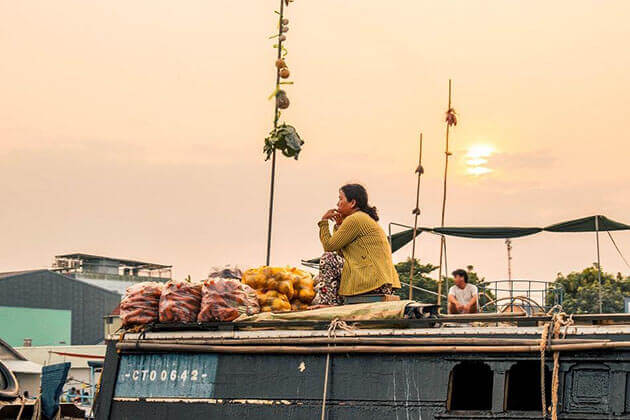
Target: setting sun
(477, 156)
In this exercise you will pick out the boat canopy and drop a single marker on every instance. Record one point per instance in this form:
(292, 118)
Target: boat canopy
(486, 232)
(588, 224)
(595, 223)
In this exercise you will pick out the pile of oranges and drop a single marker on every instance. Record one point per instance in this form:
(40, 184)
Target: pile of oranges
(280, 289)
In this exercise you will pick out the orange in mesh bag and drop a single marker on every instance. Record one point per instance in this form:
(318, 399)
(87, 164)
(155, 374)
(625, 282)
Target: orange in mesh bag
(226, 300)
(140, 304)
(280, 289)
(180, 301)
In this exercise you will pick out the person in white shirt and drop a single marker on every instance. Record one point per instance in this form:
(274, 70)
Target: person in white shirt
(462, 297)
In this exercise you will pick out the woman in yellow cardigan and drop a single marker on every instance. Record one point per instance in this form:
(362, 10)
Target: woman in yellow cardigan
(358, 256)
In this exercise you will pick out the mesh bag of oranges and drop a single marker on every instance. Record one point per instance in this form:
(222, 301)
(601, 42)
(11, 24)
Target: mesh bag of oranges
(140, 304)
(180, 301)
(226, 300)
(280, 289)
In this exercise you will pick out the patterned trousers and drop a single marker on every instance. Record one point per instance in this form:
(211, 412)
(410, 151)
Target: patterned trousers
(329, 277)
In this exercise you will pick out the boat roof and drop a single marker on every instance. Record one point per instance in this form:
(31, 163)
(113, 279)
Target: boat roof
(581, 331)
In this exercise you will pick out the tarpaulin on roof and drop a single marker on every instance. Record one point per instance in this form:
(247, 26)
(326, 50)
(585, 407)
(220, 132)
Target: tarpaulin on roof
(487, 232)
(587, 224)
(356, 312)
(53, 379)
(400, 239)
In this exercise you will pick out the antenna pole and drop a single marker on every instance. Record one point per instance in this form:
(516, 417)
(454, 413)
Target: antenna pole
(416, 212)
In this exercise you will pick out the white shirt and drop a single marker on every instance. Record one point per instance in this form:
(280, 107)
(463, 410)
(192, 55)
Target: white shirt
(464, 295)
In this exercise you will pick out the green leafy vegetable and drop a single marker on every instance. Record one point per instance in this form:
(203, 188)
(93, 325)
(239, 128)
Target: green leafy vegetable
(284, 138)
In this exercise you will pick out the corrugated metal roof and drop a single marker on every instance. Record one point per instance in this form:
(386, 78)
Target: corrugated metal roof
(116, 286)
(22, 366)
(131, 263)
(19, 273)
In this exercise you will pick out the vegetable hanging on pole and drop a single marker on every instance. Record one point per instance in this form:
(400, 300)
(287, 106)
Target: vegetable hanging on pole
(283, 137)
(416, 212)
(451, 120)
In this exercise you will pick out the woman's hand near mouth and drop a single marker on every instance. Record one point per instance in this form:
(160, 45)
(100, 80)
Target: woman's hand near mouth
(338, 218)
(330, 215)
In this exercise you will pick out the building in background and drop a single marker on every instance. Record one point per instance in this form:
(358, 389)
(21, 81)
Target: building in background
(42, 307)
(66, 305)
(113, 274)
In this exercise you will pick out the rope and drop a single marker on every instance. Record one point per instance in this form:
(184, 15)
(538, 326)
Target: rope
(558, 326)
(543, 347)
(22, 400)
(332, 334)
(339, 324)
(325, 386)
(617, 248)
(37, 409)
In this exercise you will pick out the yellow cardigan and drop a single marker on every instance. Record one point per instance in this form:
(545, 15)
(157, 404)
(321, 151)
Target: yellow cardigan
(366, 252)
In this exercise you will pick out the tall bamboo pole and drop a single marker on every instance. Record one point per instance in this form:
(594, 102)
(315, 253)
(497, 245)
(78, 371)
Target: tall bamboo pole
(599, 267)
(275, 125)
(508, 244)
(447, 154)
(416, 212)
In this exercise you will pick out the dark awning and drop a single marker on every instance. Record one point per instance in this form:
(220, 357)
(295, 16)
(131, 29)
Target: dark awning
(398, 240)
(487, 232)
(587, 224)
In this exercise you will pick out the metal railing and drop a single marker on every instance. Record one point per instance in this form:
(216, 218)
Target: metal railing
(531, 295)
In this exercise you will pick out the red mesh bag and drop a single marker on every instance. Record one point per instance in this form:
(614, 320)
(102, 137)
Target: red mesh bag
(226, 300)
(180, 301)
(140, 304)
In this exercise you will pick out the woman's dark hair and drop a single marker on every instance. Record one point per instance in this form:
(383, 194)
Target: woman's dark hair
(461, 273)
(358, 193)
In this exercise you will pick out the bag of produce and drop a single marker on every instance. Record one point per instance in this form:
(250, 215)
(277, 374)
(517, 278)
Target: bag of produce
(226, 300)
(293, 287)
(140, 304)
(273, 301)
(226, 272)
(180, 301)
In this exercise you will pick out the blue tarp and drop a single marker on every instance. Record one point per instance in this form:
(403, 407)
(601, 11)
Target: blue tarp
(53, 379)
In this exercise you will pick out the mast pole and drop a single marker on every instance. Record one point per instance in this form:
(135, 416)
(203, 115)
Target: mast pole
(275, 125)
(447, 153)
(599, 267)
(416, 212)
(508, 243)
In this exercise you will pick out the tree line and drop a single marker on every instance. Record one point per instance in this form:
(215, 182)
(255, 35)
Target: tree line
(580, 289)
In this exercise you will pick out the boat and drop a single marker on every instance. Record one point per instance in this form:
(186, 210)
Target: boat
(485, 365)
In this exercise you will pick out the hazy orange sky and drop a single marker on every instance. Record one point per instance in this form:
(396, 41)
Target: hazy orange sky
(135, 129)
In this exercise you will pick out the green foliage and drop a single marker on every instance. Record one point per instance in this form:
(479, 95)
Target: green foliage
(581, 291)
(284, 138)
(422, 278)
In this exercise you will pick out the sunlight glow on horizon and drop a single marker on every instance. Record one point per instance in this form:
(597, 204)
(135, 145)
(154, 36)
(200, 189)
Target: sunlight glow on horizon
(476, 157)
